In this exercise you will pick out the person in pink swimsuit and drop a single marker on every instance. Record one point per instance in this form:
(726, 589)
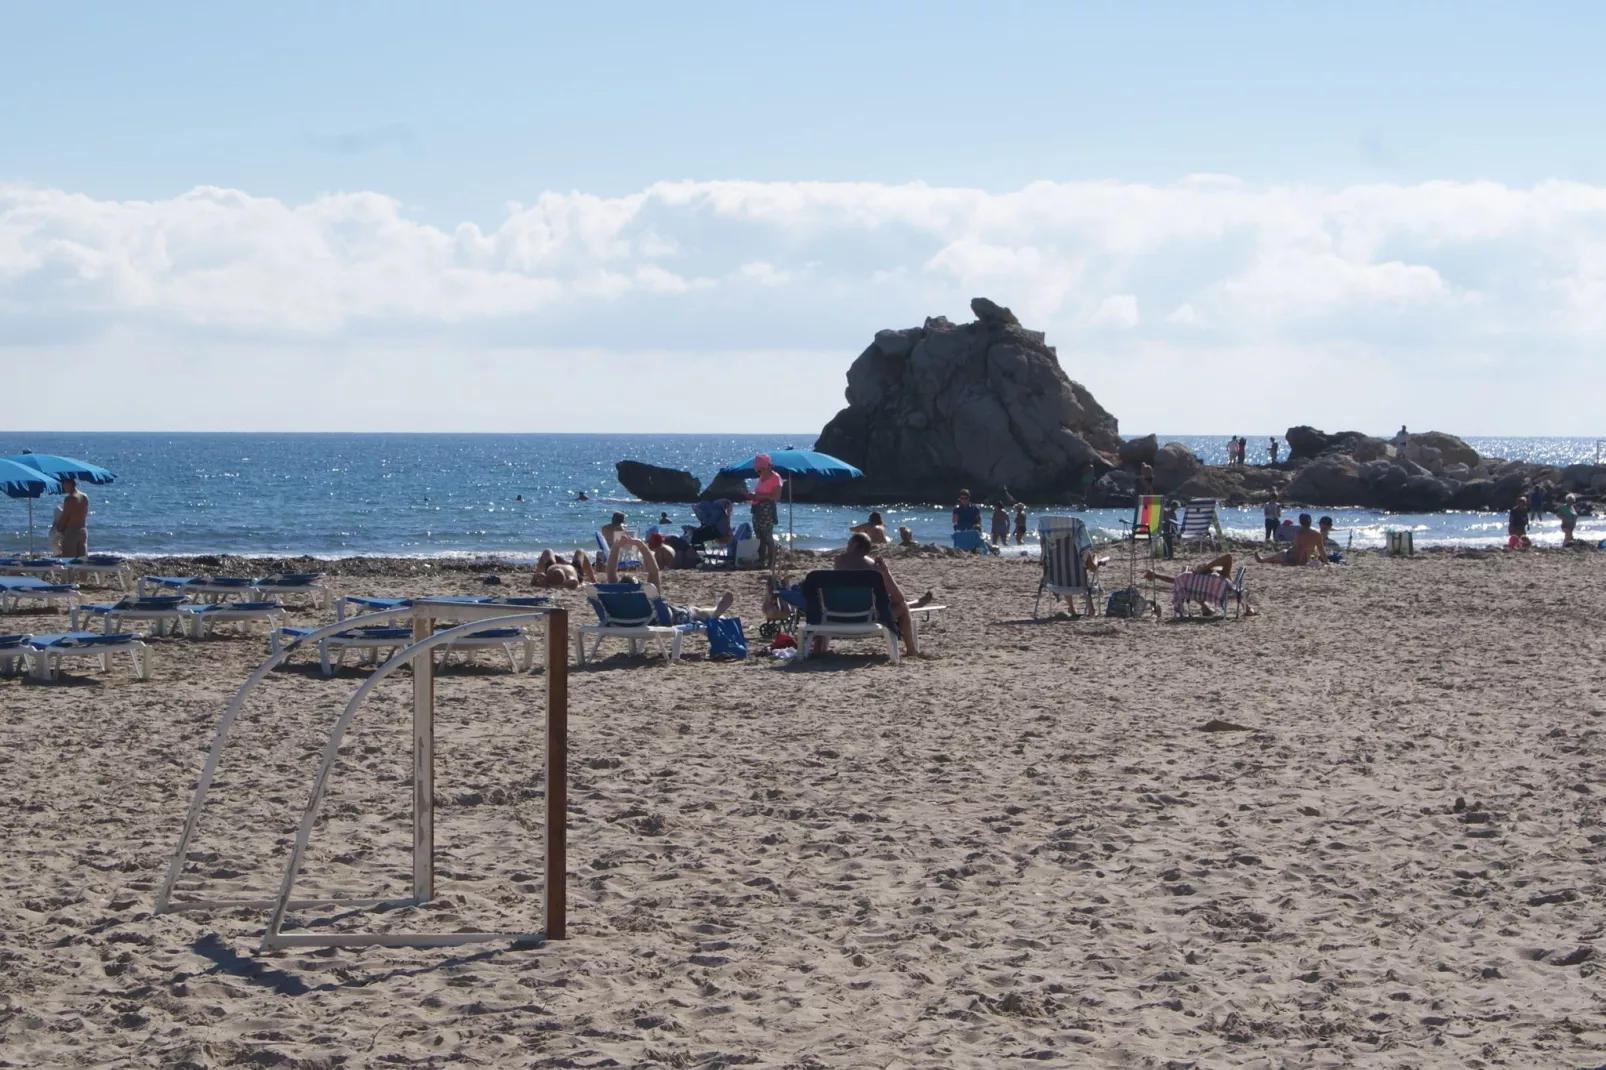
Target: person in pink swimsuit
(766, 495)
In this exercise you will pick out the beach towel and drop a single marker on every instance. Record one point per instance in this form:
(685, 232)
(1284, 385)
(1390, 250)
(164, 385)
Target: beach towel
(1209, 588)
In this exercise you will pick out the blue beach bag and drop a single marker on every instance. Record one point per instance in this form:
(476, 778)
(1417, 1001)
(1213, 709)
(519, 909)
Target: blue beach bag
(725, 638)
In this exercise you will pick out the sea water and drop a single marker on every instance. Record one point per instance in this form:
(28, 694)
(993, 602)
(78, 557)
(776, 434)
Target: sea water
(336, 495)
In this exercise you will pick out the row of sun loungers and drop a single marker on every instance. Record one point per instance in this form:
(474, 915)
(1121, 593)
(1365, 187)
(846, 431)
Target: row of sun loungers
(98, 566)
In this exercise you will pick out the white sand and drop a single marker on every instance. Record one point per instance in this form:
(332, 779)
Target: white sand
(1020, 846)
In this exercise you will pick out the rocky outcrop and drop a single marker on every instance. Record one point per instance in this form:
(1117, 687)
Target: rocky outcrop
(731, 488)
(651, 483)
(1138, 451)
(1174, 464)
(983, 405)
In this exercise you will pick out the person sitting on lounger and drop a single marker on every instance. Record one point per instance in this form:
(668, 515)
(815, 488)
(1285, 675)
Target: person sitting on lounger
(615, 528)
(678, 614)
(1308, 546)
(855, 557)
(874, 527)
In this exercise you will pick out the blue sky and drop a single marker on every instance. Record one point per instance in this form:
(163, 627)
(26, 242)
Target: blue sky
(388, 128)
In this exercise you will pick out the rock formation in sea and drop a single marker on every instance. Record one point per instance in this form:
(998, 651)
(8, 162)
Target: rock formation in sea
(983, 405)
(986, 405)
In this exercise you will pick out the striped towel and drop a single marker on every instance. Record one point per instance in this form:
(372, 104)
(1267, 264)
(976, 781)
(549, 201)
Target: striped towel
(1211, 589)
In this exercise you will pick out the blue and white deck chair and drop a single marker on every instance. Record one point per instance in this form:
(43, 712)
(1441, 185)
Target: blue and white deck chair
(1200, 524)
(44, 653)
(846, 604)
(15, 588)
(630, 612)
(1065, 546)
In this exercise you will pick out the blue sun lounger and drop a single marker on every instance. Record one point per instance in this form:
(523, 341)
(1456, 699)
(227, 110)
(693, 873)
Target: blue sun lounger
(15, 588)
(44, 653)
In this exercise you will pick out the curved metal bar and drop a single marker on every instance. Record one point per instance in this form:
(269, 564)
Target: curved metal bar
(425, 646)
(176, 866)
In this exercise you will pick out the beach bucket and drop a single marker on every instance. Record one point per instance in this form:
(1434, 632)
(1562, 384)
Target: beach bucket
(1399, 543)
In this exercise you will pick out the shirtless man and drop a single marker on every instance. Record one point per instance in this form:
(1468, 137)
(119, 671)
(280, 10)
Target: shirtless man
(857, 556)
(612, 530)
(74, 520)
(874, 527)
(1307, 547)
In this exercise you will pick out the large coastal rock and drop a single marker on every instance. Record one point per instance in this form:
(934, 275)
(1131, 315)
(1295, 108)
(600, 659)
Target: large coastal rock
(652, 483)
(983, 405)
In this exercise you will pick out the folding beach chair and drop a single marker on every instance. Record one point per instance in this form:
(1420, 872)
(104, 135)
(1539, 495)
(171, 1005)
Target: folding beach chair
(202, 618)
(163, 611)
(1200, 524)
(846, 604)
(1148, 518)
(717, 543)
(630, 612)
(1065, 546)
(45, 653)
(283, 584)
(332, 649)
(1210, 588)
(15, 588)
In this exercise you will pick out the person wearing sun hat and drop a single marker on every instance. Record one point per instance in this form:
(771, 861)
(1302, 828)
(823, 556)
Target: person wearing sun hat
(766, 495)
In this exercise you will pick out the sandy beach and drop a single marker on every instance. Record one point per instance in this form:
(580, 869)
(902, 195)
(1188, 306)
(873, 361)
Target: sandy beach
(1023, 846)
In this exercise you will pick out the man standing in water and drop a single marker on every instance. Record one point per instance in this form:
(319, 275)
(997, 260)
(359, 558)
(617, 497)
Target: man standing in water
(73, 524)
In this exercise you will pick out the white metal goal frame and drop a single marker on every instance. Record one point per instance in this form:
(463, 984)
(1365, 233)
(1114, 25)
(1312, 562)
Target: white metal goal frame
(420, 655)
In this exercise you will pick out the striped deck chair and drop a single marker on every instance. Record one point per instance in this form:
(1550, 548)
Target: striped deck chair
(1147, 518)
(1209, 589)
(1200, 524)
(1065, 546)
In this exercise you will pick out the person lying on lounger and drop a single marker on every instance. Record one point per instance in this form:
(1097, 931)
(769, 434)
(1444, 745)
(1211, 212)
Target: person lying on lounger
(1307, 547)
(680, 614)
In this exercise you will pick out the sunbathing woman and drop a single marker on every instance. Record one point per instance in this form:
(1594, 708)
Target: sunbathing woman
(682, 614)
(553, 571)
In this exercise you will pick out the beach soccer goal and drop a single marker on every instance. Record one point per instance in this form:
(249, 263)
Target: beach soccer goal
(419, 656)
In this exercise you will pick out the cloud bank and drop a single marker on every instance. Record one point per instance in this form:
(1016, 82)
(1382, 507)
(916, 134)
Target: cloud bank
(1204, 305)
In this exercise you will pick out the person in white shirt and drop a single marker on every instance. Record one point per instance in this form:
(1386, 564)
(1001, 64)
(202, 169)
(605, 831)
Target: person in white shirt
(1273, 511)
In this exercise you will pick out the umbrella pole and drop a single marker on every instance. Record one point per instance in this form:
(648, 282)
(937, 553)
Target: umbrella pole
(791, 536)
(30, 527)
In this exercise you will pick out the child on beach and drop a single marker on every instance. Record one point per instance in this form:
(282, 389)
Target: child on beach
(1568, 512)
(1273, 511)
(1020, 524)
(1517, 526)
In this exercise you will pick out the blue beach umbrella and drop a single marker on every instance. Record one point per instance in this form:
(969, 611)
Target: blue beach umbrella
(794, 463)
(57, 468)
(21, 481)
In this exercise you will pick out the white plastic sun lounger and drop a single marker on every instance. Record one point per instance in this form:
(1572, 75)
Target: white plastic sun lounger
(201, 618)
(369, 640)
(165, 612)
(289, 583)
(42, 567)
(13, 652)
(200, 588)
(99, 566)
(15, 588)
(515, 642)
(45, 652)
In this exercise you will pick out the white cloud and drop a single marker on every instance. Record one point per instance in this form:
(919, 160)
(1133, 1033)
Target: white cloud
(1117, 310)
(1409, 282)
